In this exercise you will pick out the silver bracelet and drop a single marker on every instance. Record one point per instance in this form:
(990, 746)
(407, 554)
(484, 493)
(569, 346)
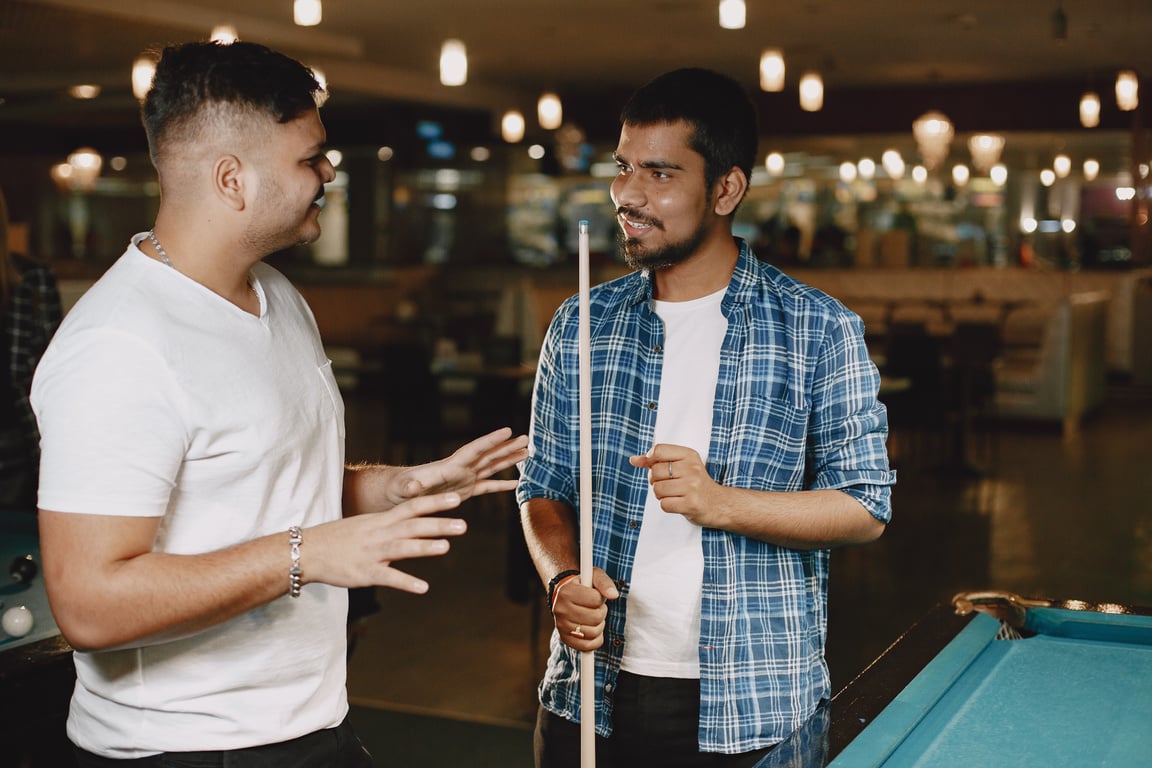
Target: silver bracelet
(296, 538)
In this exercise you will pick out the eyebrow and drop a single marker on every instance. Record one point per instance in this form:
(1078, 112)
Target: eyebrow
(649, 163)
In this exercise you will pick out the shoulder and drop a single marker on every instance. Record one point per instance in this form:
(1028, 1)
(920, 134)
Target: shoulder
(605, 297)
(793, 297)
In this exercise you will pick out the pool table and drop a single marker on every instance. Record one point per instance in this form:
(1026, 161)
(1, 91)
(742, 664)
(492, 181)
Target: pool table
(998, 680)
(36, 670)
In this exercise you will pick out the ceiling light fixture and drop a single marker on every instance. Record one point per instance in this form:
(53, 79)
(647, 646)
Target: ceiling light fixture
(1090, 109)
(85, 163)
(143, 70)
(811, 92)
(985, 149)
(549, 111)
(84, 91)
(225, 34)
(453, 63)
(512, 126)
(772, 70)
(732, 14)
(933, 132)
(774, 163)
(893, 164)
(1091, 169)
(307, 13)
(1127, 90)
(1062, 165)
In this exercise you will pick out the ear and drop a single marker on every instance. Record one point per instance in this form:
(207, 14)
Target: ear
(730, 189)
(230, 182)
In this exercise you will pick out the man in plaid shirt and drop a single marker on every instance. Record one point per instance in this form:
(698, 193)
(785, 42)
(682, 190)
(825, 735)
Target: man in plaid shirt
(736, 437)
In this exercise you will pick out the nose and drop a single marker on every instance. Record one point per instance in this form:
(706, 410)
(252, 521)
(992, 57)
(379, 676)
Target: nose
(327, 171)
(626, 191)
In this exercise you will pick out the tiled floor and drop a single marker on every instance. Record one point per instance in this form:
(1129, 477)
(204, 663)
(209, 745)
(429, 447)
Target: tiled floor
(1053, 517)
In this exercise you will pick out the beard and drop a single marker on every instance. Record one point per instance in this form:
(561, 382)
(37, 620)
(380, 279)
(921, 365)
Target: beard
(637, 256)
(280, 226)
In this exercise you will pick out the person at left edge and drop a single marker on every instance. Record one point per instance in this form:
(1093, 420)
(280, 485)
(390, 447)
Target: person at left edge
(199, 528)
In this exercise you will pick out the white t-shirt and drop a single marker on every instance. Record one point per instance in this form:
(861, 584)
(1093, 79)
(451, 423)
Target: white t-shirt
(158, 398)
(662, 632)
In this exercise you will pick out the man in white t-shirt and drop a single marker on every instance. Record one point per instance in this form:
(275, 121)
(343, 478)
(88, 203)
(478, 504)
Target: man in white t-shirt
(199, 527)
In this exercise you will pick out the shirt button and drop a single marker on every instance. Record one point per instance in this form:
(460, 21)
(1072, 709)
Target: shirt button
(652, 406)
(608, 687)
(633, 523)
(658, 349)
(617, 642)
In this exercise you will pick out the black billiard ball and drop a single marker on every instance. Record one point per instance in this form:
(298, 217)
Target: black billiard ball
(23, 569)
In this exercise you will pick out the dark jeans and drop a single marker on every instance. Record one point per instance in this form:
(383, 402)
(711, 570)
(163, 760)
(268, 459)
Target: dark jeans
(330, 748)
(655, 722)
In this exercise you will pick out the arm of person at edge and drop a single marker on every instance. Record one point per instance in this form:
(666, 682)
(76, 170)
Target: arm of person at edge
(109, 589)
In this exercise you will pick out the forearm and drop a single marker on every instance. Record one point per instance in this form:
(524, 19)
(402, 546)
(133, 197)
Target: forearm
(550, 531)
(798, 520)
(153, 596)
(365, 488)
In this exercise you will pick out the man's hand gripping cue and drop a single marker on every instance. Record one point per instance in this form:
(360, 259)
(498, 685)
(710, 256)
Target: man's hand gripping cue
(580, 612)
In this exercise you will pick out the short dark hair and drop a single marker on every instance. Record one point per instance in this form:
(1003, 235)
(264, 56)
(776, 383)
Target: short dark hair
(246, 75)
(722, 117)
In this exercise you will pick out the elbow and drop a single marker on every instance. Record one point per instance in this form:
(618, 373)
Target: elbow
(81, 635)
(84, 629)
(870, 529)
(874, 530)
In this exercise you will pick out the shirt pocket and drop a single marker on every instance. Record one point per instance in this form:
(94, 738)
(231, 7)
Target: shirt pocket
(771, 444)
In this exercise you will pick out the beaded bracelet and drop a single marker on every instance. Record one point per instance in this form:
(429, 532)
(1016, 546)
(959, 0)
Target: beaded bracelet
(295, 539)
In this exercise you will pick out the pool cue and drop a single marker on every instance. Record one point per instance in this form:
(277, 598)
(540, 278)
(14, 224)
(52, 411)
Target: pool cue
(587, 658)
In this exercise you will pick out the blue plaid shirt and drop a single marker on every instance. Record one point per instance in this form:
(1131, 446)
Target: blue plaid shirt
(795, 409)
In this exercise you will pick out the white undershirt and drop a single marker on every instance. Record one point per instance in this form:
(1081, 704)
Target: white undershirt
(662, 632)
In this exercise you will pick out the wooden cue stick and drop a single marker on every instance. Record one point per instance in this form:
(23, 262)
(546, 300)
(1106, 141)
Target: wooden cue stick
(587, 658)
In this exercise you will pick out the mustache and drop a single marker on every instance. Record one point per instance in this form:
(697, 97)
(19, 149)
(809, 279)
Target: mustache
(633, 215)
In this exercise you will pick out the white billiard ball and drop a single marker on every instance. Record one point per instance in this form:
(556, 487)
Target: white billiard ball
(17, 621)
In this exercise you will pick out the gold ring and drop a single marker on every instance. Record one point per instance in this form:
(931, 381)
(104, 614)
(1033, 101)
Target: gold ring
(577, 632)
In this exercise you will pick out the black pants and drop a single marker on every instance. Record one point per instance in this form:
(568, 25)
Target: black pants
(655, 722)
(330, 748)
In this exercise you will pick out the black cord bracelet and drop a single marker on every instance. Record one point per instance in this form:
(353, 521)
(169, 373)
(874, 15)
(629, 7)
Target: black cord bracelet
(556, 580)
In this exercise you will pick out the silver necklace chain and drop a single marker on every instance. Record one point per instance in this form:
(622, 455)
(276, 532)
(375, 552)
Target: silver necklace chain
(159, 248)
(164, 258)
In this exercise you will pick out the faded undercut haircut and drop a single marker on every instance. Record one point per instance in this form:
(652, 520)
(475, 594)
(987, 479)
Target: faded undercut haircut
(194, 82)
(722, 117)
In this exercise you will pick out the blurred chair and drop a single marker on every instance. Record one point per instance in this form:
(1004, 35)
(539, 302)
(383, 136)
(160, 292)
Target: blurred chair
(916, 412)
(973, 350)
(404, 381)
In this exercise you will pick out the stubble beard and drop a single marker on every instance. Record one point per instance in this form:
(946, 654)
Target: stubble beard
(665, 256)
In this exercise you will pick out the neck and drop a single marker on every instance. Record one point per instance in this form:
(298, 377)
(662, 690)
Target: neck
(708, 270)
(235, 287)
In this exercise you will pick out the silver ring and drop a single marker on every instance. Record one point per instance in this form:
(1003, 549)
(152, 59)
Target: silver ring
(669, 469)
